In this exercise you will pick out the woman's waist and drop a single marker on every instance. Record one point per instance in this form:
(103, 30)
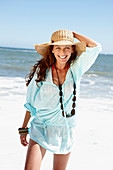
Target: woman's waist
(57, 120)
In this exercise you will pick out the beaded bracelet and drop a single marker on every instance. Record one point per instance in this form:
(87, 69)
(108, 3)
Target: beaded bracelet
(23, 131)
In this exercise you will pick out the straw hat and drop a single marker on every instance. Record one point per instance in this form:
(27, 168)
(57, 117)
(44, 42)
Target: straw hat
(61, 37)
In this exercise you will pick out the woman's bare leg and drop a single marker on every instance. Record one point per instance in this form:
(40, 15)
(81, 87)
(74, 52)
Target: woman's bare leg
(60, 161)
(35, 155)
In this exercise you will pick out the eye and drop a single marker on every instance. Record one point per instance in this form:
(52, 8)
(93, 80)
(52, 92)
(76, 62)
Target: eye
(67, 47)
(58, 48)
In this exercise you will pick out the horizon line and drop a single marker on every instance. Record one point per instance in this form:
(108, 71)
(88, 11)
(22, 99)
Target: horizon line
(35, 50)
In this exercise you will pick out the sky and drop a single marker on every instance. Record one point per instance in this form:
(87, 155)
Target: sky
(24, 23)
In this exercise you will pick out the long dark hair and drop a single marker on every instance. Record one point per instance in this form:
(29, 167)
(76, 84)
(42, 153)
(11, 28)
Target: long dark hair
(44, 64)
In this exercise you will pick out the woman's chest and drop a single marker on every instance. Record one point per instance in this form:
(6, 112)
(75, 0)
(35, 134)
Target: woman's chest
(48, 94)
(58, 76)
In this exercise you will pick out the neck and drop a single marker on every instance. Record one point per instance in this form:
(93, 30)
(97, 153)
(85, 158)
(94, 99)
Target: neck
(61, 66)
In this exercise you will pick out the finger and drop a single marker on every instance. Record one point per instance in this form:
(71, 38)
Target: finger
(24, 143)
(73, 33)
(23, 140)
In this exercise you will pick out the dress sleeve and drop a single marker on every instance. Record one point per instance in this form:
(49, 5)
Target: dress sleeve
(32, 89)
(86, 60)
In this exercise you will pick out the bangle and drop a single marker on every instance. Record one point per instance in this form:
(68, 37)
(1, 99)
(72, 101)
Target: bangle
(23, 131)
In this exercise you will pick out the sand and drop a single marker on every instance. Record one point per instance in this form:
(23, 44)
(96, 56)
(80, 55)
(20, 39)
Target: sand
(93, 148)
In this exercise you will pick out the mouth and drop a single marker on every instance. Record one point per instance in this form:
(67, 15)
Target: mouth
(62, 57)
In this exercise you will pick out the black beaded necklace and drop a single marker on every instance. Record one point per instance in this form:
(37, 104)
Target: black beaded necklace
(61, 95)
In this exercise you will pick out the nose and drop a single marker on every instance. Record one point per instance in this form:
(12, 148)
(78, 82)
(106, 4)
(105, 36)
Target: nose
(62, 52)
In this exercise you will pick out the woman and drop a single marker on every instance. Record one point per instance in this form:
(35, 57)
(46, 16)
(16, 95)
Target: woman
(52, 97)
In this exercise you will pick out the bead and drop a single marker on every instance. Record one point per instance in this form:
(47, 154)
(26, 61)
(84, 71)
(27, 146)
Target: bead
(74, 98)
(60, 93)
(74, 85)
(74, 92)
(68, 116)
(60, 99)
(62, 106)
(63, 113)
(60, 87)
(73, 111)
(73, 105)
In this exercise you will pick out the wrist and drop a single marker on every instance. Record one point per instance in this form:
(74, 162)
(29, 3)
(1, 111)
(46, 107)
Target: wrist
(23, 131)
(23, 126)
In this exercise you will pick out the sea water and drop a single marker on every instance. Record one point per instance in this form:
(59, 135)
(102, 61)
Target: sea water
(97, 82)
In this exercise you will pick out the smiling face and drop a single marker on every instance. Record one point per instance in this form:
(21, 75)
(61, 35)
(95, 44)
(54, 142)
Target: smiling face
(62, 53)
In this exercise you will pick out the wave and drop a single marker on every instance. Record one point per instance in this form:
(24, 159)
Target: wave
(17, 50)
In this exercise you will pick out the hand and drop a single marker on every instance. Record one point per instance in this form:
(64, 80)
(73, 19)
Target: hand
(24, 140)
(74, 34)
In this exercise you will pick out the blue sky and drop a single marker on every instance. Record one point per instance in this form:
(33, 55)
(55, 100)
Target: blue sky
(27, 22)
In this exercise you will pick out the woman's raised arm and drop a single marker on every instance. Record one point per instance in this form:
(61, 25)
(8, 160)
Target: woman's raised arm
(89, 42)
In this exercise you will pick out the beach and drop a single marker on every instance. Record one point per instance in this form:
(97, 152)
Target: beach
(93, 148)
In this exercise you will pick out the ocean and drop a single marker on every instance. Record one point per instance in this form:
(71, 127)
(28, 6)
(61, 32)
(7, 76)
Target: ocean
(96, 82)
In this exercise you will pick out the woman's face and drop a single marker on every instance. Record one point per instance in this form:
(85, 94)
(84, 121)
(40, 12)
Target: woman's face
(62, 53)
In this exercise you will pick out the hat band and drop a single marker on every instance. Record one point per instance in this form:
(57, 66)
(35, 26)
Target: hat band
(62, 39)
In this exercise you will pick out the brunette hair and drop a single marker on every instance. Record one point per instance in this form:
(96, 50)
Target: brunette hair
(43, 65)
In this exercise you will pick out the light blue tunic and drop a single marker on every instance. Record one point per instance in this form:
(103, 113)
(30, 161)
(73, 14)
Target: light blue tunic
(49, 128)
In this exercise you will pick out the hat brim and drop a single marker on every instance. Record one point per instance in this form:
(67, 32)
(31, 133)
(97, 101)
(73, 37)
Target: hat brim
(42, 49)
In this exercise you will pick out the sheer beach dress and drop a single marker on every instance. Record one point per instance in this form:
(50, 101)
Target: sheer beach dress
(48, 127)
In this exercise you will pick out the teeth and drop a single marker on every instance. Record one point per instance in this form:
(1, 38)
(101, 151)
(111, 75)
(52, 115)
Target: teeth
(62, 56)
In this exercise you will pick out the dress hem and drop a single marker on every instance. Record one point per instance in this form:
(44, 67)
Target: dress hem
(47, 148)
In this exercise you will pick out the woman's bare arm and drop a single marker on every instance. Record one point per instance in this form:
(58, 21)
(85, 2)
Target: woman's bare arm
(89, 42)
(26, 119)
